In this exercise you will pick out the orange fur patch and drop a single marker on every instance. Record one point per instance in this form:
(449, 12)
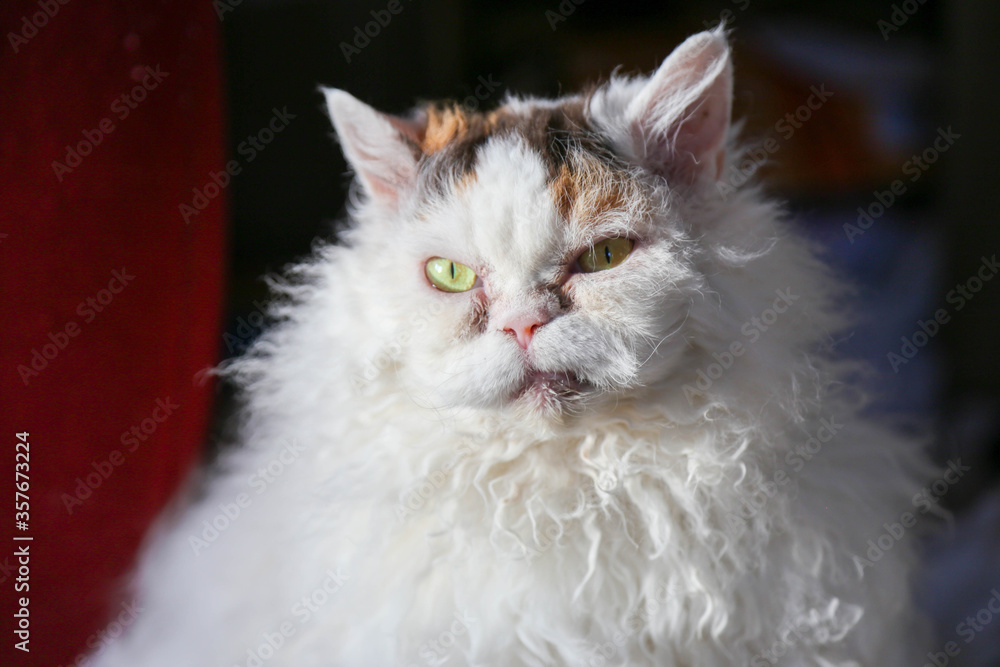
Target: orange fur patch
(451, 124)
(585, 190)
(564, 191)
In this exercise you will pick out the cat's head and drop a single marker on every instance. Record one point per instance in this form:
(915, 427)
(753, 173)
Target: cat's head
(542, 253)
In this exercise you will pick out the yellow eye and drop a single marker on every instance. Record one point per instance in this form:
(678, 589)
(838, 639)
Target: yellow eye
(607, 254)
(450, 276)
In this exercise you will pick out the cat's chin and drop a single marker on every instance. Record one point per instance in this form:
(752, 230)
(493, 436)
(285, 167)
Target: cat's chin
(549, 394)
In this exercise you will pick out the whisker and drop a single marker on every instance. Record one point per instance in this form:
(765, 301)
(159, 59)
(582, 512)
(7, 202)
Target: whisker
(676, 329)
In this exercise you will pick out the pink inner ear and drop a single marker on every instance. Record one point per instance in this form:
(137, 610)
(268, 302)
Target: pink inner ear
(682, 116)
(382, 149)
(379, 175)
(694, 143)
(387, 189)
(699, 140)
(413, 129)
(383, 190)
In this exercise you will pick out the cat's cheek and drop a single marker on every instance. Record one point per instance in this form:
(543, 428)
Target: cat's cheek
(481, 373)
(610, 302)
(455, 316)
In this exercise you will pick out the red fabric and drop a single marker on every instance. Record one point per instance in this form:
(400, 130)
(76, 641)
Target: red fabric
(115, 214)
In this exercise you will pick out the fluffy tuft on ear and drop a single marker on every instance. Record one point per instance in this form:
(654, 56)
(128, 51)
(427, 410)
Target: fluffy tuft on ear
(674, 122)
(382, 149)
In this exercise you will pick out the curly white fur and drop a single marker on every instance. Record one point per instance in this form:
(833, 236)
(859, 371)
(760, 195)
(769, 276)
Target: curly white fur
(703, 503)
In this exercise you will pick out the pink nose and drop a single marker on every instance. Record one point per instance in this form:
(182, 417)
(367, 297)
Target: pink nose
(524, 326)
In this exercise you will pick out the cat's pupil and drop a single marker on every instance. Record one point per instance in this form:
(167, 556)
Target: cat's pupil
(607, 254)
(453, 270)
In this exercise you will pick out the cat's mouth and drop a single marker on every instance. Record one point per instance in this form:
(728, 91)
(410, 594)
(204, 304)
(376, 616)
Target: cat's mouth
(548, 391)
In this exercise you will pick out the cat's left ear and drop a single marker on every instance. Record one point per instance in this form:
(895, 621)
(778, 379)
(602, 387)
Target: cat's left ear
(675, 123)
(382, 149)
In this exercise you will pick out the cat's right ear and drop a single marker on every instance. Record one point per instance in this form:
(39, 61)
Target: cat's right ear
(383, 150)
(674, 122)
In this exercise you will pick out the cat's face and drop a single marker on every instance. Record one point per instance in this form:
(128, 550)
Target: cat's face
(542, 246)
(539, 325)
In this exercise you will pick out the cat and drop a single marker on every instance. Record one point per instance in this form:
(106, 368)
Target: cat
(554, 398)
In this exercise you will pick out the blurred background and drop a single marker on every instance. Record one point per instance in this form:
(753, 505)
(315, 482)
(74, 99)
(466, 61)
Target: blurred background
(874, 121)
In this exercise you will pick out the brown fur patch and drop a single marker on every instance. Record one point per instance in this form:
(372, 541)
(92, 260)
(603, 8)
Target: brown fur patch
(444, 125)
(585, 179)
(587, 188)
(453, 134)
(564, 191)
(479, 316)
(563, 292)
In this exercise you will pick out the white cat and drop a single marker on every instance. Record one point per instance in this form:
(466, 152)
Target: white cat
(554, 399)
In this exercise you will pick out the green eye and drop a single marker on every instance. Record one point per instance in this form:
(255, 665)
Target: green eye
(607, 254)
(450, 276)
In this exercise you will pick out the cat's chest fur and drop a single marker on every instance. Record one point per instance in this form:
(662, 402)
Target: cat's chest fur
(464, 533)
